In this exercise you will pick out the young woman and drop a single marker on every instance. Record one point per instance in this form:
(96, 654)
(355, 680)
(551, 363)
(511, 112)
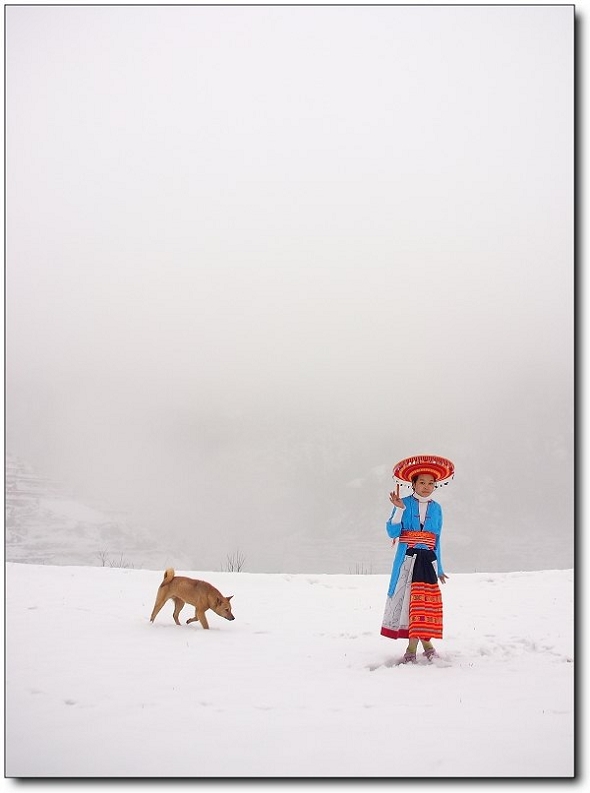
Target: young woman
(413, 609)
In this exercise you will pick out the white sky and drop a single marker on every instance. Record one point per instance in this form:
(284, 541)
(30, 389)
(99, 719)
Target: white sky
(358, 212)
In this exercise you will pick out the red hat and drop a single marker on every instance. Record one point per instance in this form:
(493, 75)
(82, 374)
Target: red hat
(440, 468)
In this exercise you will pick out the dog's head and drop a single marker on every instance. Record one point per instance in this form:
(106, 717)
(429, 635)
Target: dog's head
(223, 607)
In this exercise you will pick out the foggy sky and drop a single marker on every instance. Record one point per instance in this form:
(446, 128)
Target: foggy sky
(234, 234)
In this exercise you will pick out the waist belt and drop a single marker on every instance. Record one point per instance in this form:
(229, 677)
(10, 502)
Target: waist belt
(413, 538)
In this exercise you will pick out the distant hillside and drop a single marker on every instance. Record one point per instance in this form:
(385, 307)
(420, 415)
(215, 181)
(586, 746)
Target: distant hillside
(46, 524)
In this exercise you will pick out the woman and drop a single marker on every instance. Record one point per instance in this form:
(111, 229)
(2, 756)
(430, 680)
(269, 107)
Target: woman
(413, 609)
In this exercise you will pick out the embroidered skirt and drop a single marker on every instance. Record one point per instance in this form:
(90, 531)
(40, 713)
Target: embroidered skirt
(414, 611)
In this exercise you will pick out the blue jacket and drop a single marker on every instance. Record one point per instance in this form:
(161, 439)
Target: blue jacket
(411, 522)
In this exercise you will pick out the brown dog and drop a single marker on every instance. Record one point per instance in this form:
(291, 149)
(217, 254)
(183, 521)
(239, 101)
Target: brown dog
(199, 594)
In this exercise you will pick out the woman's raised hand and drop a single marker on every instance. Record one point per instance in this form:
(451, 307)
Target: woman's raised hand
(395, 499)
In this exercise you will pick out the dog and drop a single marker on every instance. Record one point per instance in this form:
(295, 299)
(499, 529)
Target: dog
(197, 593)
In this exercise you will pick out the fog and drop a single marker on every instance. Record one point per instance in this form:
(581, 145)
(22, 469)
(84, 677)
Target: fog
(257, 255)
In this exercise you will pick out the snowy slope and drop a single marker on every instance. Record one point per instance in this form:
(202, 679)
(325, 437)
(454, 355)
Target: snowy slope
(301, 684)
(47, 524)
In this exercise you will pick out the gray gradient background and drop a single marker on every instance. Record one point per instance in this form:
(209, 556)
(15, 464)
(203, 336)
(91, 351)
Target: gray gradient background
(254, 256)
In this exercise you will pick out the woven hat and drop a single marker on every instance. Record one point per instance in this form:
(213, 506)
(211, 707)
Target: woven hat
(440, 468)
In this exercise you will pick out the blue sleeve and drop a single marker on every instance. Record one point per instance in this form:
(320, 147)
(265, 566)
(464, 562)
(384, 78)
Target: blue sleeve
(393, 529)
(437, 547)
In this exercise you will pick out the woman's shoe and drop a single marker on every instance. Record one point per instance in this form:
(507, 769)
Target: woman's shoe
(409, 658)
(430, 654)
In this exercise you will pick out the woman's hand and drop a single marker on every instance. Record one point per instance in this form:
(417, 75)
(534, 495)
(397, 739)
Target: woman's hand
(443, 578)
(396, 500)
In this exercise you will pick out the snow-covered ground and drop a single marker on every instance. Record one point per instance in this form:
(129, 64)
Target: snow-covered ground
(300, 684)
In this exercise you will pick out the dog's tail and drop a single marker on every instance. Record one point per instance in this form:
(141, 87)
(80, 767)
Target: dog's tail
(168, 576)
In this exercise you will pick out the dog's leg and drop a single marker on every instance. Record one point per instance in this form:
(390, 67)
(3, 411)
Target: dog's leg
(160, 600)
(178, 606)
(202, 619)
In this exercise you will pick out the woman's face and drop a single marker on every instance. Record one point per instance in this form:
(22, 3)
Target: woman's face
(424, 485)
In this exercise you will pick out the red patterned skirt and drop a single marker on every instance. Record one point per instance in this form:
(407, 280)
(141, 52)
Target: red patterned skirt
(414, 611)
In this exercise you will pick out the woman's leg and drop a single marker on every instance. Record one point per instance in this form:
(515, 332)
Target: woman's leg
(410, 654)
(429, 650)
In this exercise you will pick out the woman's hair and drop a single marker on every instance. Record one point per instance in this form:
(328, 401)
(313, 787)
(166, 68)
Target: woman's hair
(415, 477)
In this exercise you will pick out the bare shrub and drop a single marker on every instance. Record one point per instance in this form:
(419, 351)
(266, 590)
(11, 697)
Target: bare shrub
(234, 562)
(107, 561)
(360, 568)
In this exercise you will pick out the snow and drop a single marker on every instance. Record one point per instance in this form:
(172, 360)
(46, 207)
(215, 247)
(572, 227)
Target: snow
(300, 684)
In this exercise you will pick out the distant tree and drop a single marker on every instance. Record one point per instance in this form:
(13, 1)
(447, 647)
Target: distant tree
(102, 558)
(361, 569)
(120, 562)
(107, 561)
(234, 562)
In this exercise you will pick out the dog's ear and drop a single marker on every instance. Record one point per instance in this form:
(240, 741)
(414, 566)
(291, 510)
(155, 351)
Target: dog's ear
(230, 597)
